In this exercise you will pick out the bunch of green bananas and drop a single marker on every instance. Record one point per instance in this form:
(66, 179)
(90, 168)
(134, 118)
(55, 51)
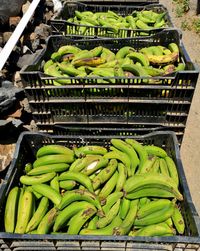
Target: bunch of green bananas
(128, 189)
(71, 61)
(145, 19)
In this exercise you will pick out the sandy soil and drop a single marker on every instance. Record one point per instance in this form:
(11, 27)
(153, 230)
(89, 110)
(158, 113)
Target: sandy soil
(190, 150)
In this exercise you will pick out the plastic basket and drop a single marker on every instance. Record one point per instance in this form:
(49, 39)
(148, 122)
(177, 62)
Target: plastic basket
(60, 25)
(166, 102)
(26, 148)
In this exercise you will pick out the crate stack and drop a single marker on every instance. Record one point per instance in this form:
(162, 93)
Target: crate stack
(137, 103)
(93, 110)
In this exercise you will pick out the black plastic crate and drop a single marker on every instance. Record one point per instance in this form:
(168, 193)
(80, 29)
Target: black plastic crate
(60, 25)
(26, 148)
(122, 112)
(166, 100)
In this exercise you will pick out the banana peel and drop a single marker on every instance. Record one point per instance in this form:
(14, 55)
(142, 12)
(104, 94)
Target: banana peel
(164, 59)
(94, 61)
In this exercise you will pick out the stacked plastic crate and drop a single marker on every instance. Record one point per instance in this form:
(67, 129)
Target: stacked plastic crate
(157, 102)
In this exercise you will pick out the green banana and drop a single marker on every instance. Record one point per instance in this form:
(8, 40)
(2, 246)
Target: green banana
(154, 71)
(76, 195)
(169, 221)
(153, 180)
(81, 55)
(142, 153)
(145, 19)
(122, 177)
(139, 57)
(128, 222)
(141, 25)
(21, 192)
(25, 213)
(37, 195)
(148, 164)
(70, 69)
(28, 167)
(143, 201)
(53, 149)
(68, 49)
(37, 179)
(108, 230)
(178, 220)
(55, 56)
(163, 167)
(124, 51)
(109, 64)
(55, 184)
(131, 21)
(110, 201)
(47, 64)
(156, 217)
(157, 51)
(92, 223)
(10, 214)
(172, 170)
(123, 157)
(107, 54)
(38, 215)
(150, 192)
(127, 149)
(90, 20)
(105, 72)
(159, 229)
(68, 212)
(47, 221)
(104, 221)
(80, 218)
(173, 47)
(152, 207)
(147, 50)
(135, 69)
(108, 187)
(84, 150)
(118, 72)
(124, 208)
(61, 167)
(156, 166)
(54, 72)
(180, 67)
(105, 174)
(67, 184)
(53, 159)
(79, 177)
(79, 164)
(93, 167)
(96, 52)
(155, 150)
(48, 192)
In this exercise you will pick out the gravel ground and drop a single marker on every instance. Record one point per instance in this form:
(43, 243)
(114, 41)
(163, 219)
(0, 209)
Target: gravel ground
(190, 149)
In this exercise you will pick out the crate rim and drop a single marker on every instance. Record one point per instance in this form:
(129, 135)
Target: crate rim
(135, 239)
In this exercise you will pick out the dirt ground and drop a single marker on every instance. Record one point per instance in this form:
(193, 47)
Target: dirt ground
(190, 149)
